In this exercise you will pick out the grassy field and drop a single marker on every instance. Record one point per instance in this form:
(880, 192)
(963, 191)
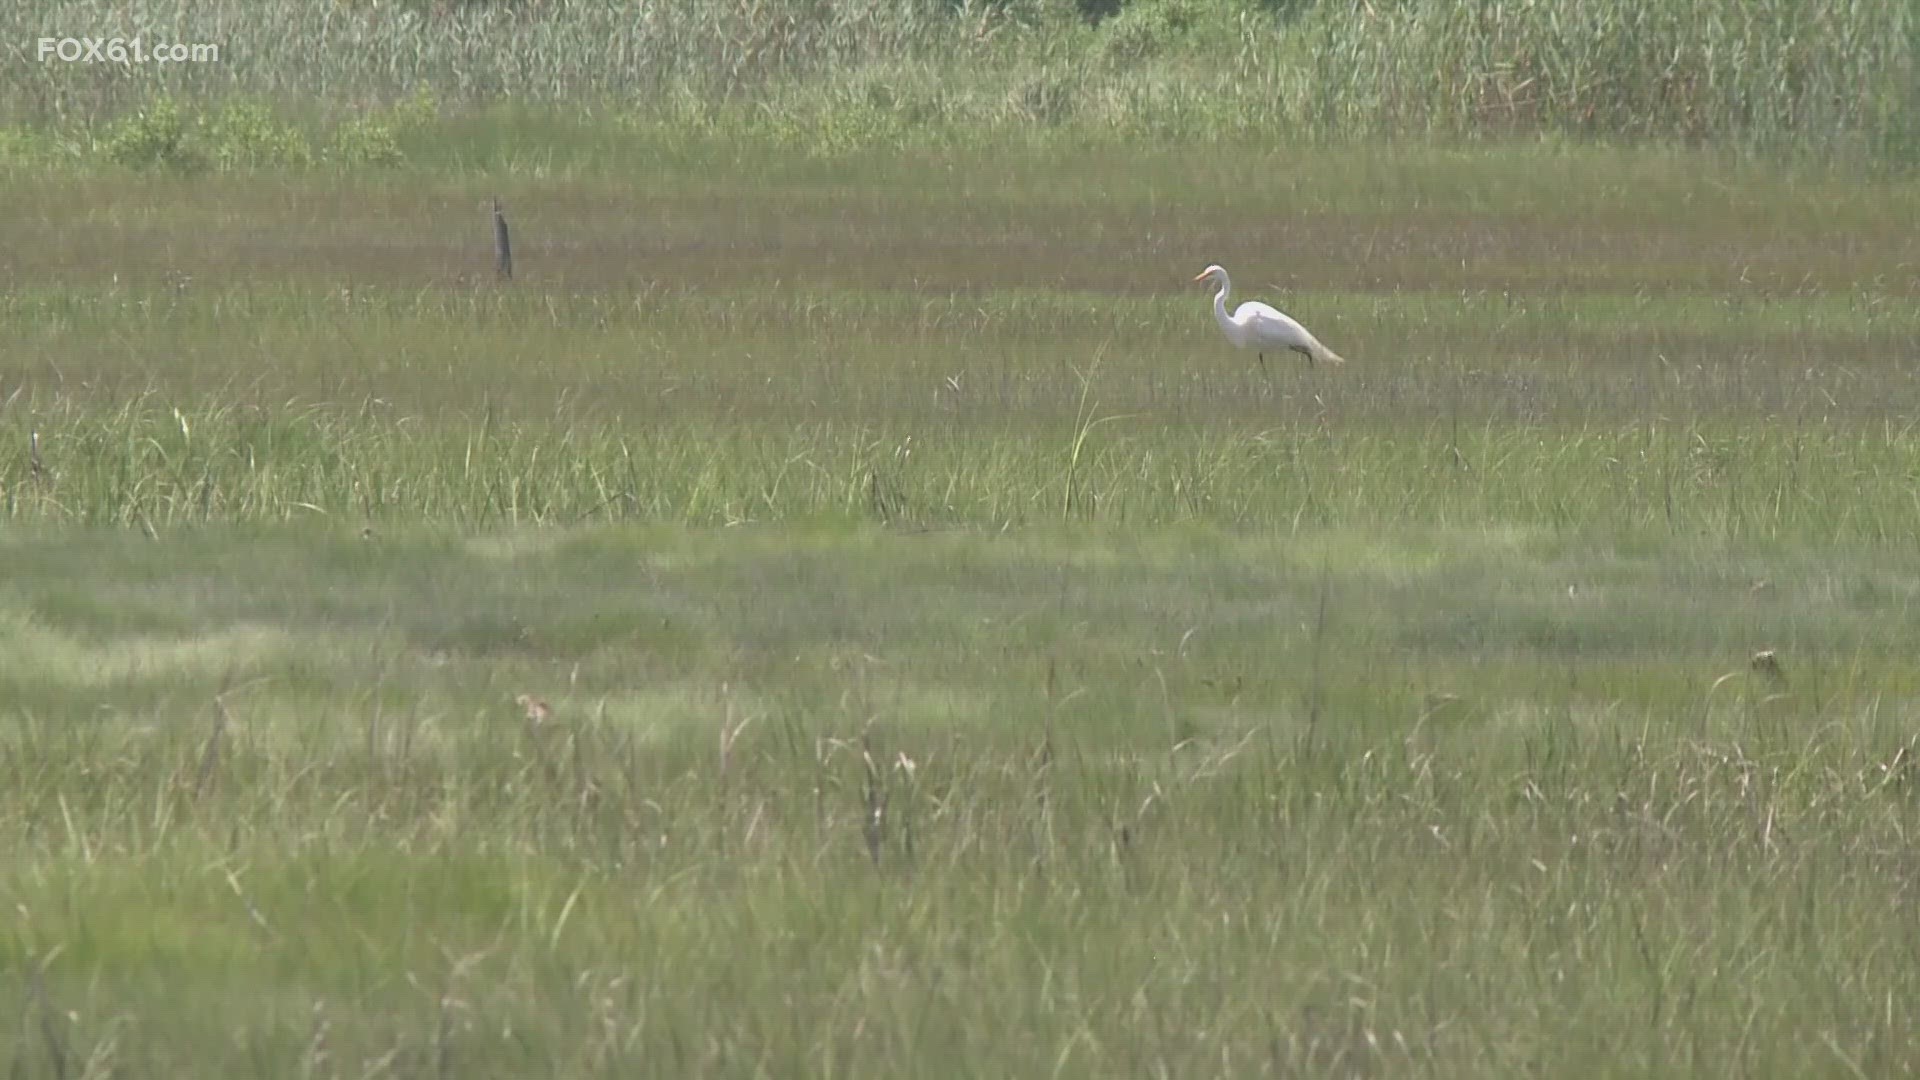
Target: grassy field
(959, 660)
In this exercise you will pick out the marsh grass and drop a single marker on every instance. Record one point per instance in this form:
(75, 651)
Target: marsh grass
(1566, 340)
(953, 657)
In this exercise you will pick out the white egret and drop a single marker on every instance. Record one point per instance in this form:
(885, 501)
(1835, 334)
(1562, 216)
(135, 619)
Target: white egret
(1260, 328)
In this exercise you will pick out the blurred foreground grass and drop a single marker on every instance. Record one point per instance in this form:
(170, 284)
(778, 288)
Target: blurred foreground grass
(1480, 801)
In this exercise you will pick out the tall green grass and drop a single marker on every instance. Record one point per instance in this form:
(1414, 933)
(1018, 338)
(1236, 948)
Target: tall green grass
(151, 466)
(1825, 76)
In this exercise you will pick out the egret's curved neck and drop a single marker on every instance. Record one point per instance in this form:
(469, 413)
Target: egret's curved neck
(1220, 303)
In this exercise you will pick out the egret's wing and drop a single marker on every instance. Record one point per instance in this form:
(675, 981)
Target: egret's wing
(1274, 328)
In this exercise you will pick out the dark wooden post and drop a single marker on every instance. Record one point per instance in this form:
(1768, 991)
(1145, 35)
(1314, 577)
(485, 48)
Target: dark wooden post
(502, 246)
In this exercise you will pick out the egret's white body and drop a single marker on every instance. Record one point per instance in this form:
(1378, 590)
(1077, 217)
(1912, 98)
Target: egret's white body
(1256, 326)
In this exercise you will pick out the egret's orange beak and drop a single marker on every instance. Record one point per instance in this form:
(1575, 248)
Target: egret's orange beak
(1201, 276)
